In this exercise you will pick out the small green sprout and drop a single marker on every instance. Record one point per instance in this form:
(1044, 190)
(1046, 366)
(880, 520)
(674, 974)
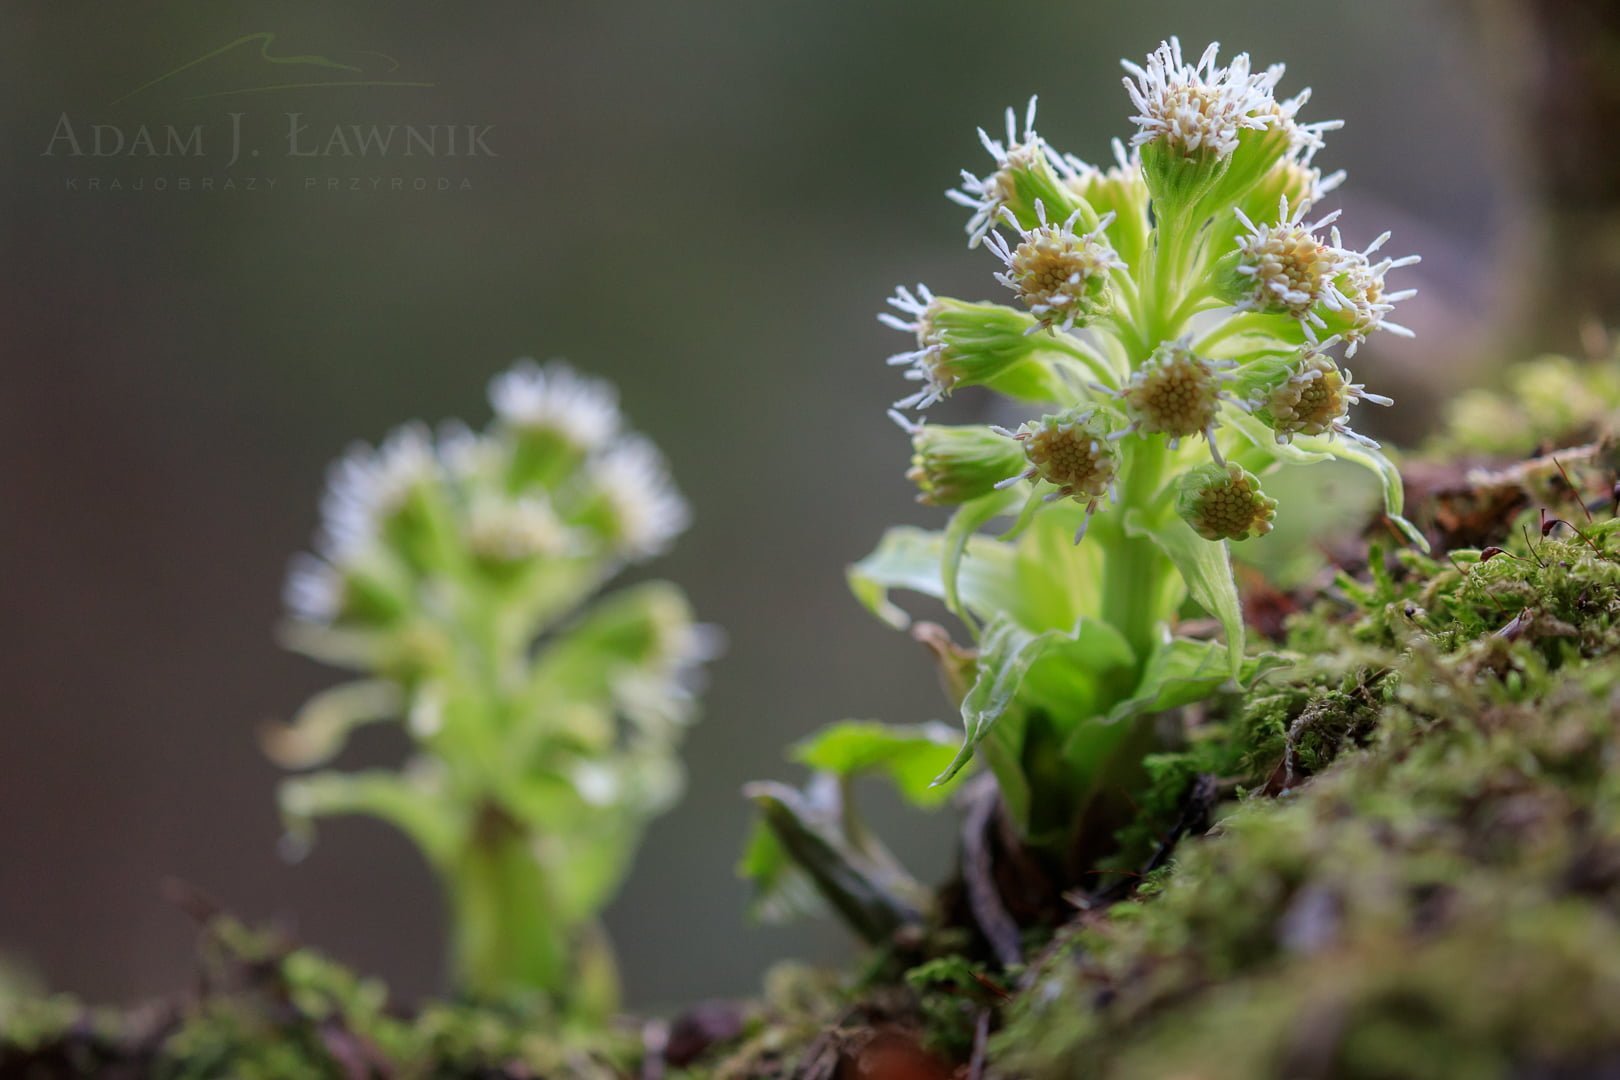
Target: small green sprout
(455, 572)
(1176, 317)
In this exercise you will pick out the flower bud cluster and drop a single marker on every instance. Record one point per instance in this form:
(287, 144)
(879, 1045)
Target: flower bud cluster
(1224, 502)
(1187, 290)
(961, 344)
(553, 478)
(456, 571)
(1175, 393)
(1212, 206)
(954, 464)
(1061, 278)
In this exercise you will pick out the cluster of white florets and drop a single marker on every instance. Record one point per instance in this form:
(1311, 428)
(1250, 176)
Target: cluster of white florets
(648, 513)
(502, 529)
(1200, 108)
(1062, 277)
(368, 485)
(1291, 269)
(1367, 299)
(1314, 399)
(1175, 393)
(923, 363)
(555, 398)
(1214, 151)
(554, 476)
(987, 195)
(1072, 451)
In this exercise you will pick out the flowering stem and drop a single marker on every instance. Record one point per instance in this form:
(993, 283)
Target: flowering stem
(506, 938)
(1135, 569)
(1242, 322)
(1095, 362)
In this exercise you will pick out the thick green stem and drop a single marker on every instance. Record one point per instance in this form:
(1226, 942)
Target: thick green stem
(506, 941)
(1136, 570)
(1134, 574)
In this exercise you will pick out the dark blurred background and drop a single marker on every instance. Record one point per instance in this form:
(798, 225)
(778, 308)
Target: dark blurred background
(706, 203)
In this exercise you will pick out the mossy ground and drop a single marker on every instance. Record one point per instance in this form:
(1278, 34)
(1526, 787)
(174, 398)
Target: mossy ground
(1417, 873)
(1398, 856)
(265, 1010)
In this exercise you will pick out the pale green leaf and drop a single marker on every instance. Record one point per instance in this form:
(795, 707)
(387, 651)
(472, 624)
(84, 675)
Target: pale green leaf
(1182, 671)
(1311, 449)
(910, 755)
(1206, 566)
(1060, 581)
(1389, 478)
(781, 890)
(1008, 653)
(1073, 675)
(912, 559)
(851, 872)
(965, 522)
(410, 806)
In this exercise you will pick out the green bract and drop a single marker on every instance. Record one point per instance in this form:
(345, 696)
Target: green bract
(954, 464)
(455, 573)
(1171, 342)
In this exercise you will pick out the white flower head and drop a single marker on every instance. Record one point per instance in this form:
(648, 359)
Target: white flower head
(987, 195)
(1176, 393)
(313, 590)
(922, 363)
(1315, 399)
(1304, 140)
(599, 783)
(367, 485)
(663, 691)
(1288, 268)
(502, 529)
(648, 512)
(959, 344)
(1061, 277)
(556, 398)
(1199, 109)
(1085, 179)
(1367, 301)
(1073, 452)
(468, 455)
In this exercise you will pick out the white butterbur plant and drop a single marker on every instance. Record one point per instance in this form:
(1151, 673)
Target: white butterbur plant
(1173, 336)
(455, 572)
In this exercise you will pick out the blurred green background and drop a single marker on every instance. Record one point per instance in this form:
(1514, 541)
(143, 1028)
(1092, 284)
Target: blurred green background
(706, 203)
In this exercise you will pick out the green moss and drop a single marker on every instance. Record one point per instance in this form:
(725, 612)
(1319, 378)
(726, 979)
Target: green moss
(1439, 899)
(952, 994)
(1550, 400)
(268, 1011)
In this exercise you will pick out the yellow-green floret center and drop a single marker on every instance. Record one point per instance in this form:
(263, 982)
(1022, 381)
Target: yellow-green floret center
(1312, 401)
(1174, 393)
(1074, 455)
(1225, 503)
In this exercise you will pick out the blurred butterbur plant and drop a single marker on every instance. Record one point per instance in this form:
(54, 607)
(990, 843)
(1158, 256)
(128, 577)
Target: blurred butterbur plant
(454, 572)
(1170, 336)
